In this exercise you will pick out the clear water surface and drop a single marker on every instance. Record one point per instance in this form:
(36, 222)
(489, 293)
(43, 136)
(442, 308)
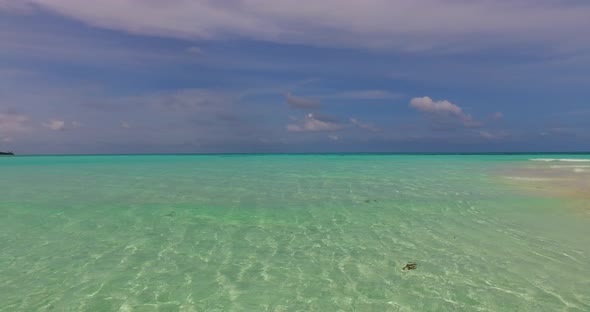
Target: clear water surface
(287, 233)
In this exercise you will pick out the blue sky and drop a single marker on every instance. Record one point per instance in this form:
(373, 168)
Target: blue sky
(179, 76)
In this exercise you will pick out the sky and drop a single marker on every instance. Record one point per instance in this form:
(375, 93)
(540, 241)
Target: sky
(280, 76)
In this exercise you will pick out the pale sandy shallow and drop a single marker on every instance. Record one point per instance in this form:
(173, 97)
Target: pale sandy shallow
(543, 177)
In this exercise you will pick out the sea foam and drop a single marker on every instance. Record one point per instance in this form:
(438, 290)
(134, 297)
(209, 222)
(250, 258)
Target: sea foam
(528, 178)
(562, 159)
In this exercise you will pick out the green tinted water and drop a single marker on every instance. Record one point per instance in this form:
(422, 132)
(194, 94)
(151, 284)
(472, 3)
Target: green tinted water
(284, 233)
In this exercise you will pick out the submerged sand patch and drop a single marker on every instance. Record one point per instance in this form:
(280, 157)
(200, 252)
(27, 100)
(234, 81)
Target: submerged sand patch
(561, 178)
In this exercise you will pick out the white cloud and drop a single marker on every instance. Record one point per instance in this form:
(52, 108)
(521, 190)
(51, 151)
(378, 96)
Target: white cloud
(408, 25)
(487, 135)
(313, 123)
(194, 50)
(427, 105)
(498, 115)
(443, 113)
(333, 137)
(497, 135)
(365, 126)
(125, 125)
(55, 125)
(61, 125)
(300, 102)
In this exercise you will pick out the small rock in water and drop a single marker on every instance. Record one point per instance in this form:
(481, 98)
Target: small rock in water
(410, 266)
(170, 215)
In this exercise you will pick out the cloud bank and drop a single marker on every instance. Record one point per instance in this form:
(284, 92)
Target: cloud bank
(407, 25)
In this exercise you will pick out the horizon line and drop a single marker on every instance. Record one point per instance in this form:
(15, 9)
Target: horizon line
(311, 153)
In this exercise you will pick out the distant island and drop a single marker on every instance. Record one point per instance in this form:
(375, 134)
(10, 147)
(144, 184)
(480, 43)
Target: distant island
(6, 154)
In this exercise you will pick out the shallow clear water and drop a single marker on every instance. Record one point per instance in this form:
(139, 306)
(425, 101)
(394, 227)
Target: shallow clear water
(285, 233)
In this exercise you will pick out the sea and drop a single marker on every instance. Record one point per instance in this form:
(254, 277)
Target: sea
(301, 232)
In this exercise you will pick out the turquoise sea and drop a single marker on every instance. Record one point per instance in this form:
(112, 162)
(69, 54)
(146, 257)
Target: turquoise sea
(294, 233)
